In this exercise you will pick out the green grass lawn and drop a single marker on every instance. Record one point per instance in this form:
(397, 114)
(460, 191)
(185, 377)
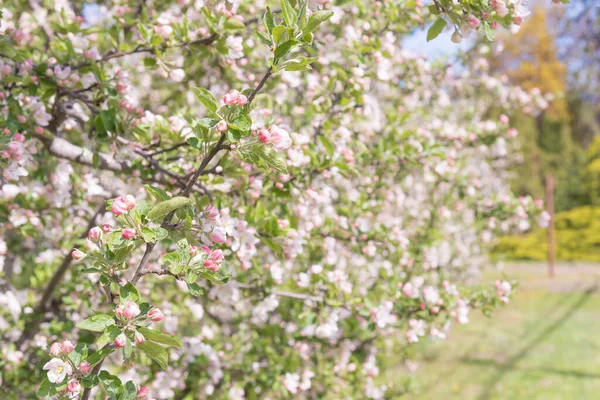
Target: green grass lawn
(544, 345)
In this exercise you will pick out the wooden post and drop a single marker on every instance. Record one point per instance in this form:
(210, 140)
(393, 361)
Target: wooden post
(551, 233)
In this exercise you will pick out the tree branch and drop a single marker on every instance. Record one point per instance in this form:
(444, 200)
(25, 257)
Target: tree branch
(32, 328)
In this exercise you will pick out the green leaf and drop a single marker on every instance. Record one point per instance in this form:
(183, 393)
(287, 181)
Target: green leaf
(266, 39)
(268, 20)
(90, 380)
(302, 15)
(96, 323)
(279, 32)
(156, 352)
(241, 123)
(194, 142)
(435, 29)
(315, 20)
(327, 144)
(284, 48)
(111, 384)
(150, 62)
(108, 336)
(47, 389)
(147, 234)
(299, 63)
(159, 337)
(128, 292)
(233, 24)
(289, 14)
(98, 356)
(165, 207)
(263, 156)
(79, 353)
(195, 289)
(129, 391)
(206, 98)
(215, 277)
(128, 349)
(208, 122)
(157, 193)
(489, 32)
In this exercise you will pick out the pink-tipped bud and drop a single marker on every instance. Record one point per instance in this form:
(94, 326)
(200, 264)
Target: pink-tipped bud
(222, 126)
(193, 250)
(85, 367)
(119, 206)
(119, 310)
(231, 98)
(217, 256)
(78, 255)
(143, 393)
(130, 202)
(218, 235)
(155, 315)
(73, 387)
(504, 119)
(264, 135)
(94, 234)
(67, 346)
(56, 349)
(120, 341)
(211, 265)
(128, 233)
(242, 100)
(131, 310)
(139, 338)
(106, 228)
(211, 212)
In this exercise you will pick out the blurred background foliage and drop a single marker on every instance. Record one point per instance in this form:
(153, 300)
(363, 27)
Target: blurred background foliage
(558, 52)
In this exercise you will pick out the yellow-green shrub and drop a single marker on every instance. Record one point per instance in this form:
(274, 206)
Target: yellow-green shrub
(577, 238)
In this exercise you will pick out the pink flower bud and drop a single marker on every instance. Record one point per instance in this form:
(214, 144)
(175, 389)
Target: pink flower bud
(119, 310)
(218, 235)
(517, 20)
(280, 139)
(211, 212)
(85, 367)
(193, 250)
(106, 228)
(19, 137)
(504, 119)
(221, 126)
(231, 98)
(128, 233)
(73, 387)
(94, 234)
(473, 21)
(78, 255)
(139, 338)
(131, 310)
(242, 100)
(56, 349)
(264, 135)
(155, 315)
(120, 341)
(217, 256)
(119, 206)
(67, 346)
(211, 265)
(143, 393)
(130, 202)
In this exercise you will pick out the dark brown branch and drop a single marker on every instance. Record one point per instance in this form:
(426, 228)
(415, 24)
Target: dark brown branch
(260, 85)
(32, 328)
(186, 192)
